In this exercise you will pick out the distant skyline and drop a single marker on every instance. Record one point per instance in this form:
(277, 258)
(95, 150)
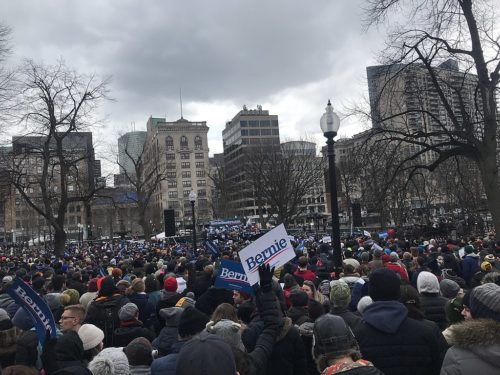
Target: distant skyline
(289, 56)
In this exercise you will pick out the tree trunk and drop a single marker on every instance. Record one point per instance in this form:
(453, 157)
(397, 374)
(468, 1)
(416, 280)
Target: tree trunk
(145, 227)
(59, 242)
(489, 176)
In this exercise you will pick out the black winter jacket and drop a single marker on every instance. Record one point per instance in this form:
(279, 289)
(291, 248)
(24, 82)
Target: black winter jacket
(351, 319)
(399, 345)
(433, 307)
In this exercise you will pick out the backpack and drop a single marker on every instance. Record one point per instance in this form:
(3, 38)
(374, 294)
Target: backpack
(107, 319)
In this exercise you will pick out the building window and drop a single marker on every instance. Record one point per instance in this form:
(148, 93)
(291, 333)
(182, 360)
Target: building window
(185, 193)
(186, 174)
(200, 164)
(171, 175)
(185, 164)
(200, 173)
(172, 184)
(202, 193)
(170, 156)
(185, 156)
(184, 143)
(172, 194)
(201, 183)
(199, 155)
(170, 166)
(186, 184)
(198, 144)
(169, 143)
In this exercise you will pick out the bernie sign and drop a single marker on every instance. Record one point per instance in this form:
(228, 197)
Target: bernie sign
(232, 276)
(273, 248)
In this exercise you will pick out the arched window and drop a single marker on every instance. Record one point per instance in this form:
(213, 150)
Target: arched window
(198, 144)
(184, 142)
(169, 142)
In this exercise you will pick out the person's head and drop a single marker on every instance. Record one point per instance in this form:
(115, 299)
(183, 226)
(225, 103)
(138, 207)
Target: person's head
(363, 303)
(72, 318)
(170, 284)
(92, 285)
(449, 288)
(466, 305)
(69, 297)
(129, 311)
(240, 297)
(298, 298)
(110, 361)
(303, 262)
(139, 352)
(427, 282)
(150, 284)
(411, 299)
(108, 287)
(384, 285)
(191, 322)
(206, 354)
(333, 341)
(92, 338)
(394, 257)
(309, 288)
(69, 347)
(485, 302)
(225, 311)
(289, 281)
(58, 282)
(340, 293)
(138, 286)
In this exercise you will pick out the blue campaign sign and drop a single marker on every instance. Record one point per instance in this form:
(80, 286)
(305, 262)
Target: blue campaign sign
(382, 234)
(212, 247)
(35, 306)
(231, 275)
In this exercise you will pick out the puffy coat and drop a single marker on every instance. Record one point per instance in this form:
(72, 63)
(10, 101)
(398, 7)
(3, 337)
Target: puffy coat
(475, 350)
(129, 330)
(166, 365)
(169, 334)
(433, 307)
(470, 265)
(396, 344)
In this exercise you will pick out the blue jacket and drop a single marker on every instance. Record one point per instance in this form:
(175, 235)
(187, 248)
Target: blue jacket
(166, 365)
(470, 266)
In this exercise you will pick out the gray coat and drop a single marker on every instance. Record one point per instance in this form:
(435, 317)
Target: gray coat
(475, 350)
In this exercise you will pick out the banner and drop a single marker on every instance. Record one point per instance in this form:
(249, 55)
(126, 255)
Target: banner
(231, 275)
(210, 246)
(35, 306)
(273, 248)
(326, 239)
(383, 235)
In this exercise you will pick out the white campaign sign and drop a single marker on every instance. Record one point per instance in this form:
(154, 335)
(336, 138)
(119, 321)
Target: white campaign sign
(327, 239)
(273, 248)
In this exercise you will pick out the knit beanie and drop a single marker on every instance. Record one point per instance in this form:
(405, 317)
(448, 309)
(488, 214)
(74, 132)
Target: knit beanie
(139, 351)
(191, 322)
(108, 287)
(298, 298)
(128, 311)
(69, 347)
(90, 335)
(485, 302)
(74, 297)
(340, 293)
(205, 354)
(486, 266)
(170, 284)
(227, 330)
(315, 309)
(449, 288)
(427, 282)
(469, 249)
(92, 285)
(384, 285)
(110, 361)
(26, 349)
(363, 303)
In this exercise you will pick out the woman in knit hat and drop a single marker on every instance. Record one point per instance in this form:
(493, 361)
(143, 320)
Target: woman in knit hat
(313, 293)
(476, 342)
(92, 338)
(111, 361)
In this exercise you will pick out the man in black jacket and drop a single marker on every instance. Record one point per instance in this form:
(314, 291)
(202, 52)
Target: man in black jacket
(394, 343)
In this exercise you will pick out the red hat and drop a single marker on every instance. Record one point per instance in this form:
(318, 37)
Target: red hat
(170, 284)
(386, 258)
(116, 272)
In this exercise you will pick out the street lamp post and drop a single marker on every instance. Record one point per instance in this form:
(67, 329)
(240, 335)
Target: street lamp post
(330, 123)
(192, 199)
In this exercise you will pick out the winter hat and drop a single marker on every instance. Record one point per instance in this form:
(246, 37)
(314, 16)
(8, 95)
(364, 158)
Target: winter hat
(485, 302)
(324, 287)
(449, 288)
(340, 293)
(4, 315)
(138, 285)
(427, 282)
(108, 287)
(315, 309)
(185, 302)
(90, 335)
(227, 330)
(116, 272)
(384, 285)
(7, 279)
(363, 303)
(110, 361)
(170, 284)
(74, 297)
(191, 322)
(489, 258)
(394, 257)
(128, 311)
(69, 347)
(386, 258)
(139, 351)
(26, 349)
(333, 337)
(92, 285)
(205, 354)
(171, 315)
(469, 249)
(298, 298)
(486, 266)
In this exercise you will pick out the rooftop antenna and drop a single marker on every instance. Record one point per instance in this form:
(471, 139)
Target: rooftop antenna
(180, 99)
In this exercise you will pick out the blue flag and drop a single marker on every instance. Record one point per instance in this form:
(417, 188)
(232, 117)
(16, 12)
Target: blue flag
(35, 307)
(231, 275)
(210, 246)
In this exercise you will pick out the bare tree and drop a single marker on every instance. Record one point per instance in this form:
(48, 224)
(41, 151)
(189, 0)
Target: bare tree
(452, 34)
(51, 167)
(220, 201)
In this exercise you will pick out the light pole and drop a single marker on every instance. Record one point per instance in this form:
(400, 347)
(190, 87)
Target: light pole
(330, 124)
(192, 199)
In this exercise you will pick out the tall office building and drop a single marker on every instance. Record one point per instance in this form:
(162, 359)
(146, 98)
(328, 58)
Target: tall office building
(250, 128)
(130, 147)
(180, 149)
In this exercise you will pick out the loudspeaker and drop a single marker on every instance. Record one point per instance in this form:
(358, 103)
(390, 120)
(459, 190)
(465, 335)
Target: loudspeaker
(169, 220)
(356, 215)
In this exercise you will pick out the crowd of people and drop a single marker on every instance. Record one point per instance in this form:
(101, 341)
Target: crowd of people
(398, 307)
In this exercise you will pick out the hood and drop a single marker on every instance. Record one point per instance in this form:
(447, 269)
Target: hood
(287, 324)
(385, 316)
(171, 316)
(480, 336)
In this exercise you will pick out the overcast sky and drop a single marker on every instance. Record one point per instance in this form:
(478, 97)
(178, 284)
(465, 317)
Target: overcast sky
(289, 56)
